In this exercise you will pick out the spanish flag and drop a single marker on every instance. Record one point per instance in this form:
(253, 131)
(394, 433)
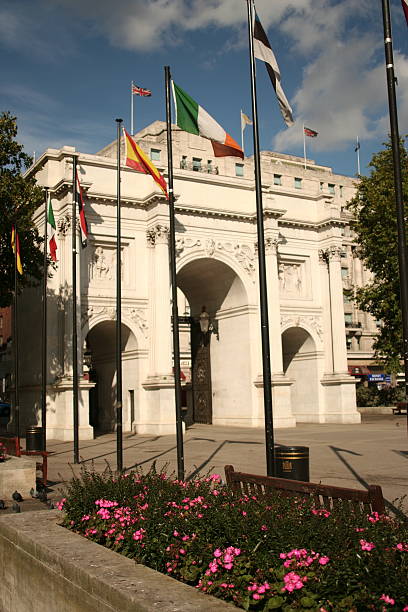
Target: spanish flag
(138, 160)
(16, 242)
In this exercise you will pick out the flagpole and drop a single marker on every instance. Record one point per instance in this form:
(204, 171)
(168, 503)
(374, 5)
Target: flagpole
(15, 335)
(358, 157)
(242, 134)
(173, 275)
(44, 332)
(266, 359)
(119, 439)
(75, 416)
(399, 203)
(131, 108)
(304, 145)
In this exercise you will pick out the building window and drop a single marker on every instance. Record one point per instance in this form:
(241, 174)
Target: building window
(197, 164)
(239, 169)
(347, 297)
(298, 183)
(321, 186)
(341, 190)
(344, 273)
(155, 154)
(277, 179)
(331, 188)
(183, 161)
(209, 166)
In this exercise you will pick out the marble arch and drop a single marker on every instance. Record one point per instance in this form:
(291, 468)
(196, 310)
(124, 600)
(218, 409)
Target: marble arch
(215, 223)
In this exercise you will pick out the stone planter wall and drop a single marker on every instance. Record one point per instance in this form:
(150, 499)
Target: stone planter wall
(46, 568)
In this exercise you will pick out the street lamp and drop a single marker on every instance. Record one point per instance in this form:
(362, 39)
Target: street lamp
(207, 325)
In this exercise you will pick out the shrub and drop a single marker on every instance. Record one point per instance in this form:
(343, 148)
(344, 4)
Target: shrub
(268, 553)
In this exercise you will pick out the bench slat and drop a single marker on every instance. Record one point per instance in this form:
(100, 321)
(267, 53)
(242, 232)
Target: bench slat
(325, 496)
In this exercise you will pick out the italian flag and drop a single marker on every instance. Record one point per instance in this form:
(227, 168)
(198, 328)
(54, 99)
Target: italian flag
(51, 230)
(193, 118)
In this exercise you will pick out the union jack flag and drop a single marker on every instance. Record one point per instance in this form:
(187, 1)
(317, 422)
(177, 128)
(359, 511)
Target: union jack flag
(140, 91)
(310, 133)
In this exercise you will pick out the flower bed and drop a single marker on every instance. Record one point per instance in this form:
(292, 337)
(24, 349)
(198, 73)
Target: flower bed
(267, 553)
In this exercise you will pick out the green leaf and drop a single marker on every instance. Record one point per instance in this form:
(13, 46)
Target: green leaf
(275, 602)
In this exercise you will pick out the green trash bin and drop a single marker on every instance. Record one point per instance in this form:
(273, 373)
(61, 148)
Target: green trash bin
(292, 462)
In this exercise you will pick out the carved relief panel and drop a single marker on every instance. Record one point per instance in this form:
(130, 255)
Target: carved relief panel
(294, 278)
(102, 265)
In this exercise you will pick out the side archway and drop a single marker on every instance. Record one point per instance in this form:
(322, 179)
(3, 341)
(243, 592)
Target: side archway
(300, 364)
(101, 343)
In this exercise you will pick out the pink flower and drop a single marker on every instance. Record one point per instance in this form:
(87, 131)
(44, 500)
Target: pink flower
(387, 599)
(256, 596)
(324, 560)
(217, 552)
(61, 503)
(367, 545)
(264, 528)
(359, 529)
(374, 517)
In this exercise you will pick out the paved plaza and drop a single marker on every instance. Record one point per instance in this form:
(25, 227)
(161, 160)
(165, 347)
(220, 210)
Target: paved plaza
(375, 452)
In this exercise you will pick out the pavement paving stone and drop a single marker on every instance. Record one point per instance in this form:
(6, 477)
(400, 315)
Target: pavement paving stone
(374, 452)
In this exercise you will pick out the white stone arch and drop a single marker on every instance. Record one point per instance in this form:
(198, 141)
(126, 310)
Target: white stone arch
(248, 280)
(301, 364)
(213, 282)
(94, 320)
(103, 371)
(311, 325)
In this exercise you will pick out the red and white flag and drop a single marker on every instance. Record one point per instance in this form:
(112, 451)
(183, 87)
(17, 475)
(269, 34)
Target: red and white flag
(310, 133)
(82, 219)
(140, 91)
(51, 230)
(405, 9)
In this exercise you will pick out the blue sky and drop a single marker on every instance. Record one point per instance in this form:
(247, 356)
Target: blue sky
(67, 67)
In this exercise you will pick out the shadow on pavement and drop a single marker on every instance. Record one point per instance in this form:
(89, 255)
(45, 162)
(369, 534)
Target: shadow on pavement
(389, 505)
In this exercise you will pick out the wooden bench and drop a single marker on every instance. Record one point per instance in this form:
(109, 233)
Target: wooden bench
(399, 408)
(13, 447)
(324, 496)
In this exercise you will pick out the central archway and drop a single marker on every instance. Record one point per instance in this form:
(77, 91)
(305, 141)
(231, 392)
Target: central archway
(101, 342)
(221, 365)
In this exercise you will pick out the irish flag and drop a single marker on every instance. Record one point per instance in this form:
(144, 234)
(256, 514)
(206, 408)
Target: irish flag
(193, 118)
(138, 160)
(51, 230)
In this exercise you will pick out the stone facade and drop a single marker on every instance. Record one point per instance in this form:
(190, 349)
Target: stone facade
(217, 266)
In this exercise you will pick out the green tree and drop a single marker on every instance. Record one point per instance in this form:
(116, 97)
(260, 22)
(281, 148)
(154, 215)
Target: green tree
(19, 198)
(375, 225)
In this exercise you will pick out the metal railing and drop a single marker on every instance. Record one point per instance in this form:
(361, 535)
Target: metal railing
(205, 168)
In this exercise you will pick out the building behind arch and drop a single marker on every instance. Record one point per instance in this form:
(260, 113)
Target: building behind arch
(308, 249)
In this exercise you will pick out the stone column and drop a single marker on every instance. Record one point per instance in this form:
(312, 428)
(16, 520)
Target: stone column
(275, 337)
(161, 343)
(158, 415)
(327, 320)
(337, 311)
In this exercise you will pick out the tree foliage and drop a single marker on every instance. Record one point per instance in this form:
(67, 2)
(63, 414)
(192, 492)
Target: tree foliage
(19, 198)
(375, 225)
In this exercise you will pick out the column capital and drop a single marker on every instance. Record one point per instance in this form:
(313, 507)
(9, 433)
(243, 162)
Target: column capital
(271, 245)
(332, 253)
(159, 234)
